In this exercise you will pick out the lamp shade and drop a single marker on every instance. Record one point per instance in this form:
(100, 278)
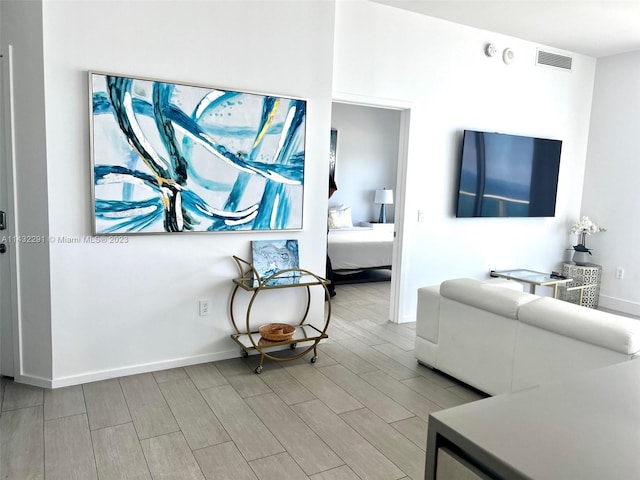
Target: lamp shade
(384, 197)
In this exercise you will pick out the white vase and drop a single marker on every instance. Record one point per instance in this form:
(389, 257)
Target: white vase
(581, 258)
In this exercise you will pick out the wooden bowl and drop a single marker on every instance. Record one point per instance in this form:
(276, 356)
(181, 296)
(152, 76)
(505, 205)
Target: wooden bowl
(277, 332)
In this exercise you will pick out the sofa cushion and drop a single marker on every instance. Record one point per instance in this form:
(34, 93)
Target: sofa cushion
(486, 296)
(607, 330)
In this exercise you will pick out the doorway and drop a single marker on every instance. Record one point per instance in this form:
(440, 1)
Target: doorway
(375, 157)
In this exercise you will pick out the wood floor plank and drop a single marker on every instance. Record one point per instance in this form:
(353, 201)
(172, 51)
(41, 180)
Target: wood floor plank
(389, 334)
(436, 377)
(403, 329)
(249, 384)
(251, 436)
(224, 462)
(197, 422)
(352, 310)
(302, 443)
(232, 366)
(408, 398)
(242, 377)
(415, 429)
(322, 358)
(358, 333)
(395, 446)
(63, 402)
(381, 361)
(401, 356)
(290, 390)
(205, 375)
(466, 394)
(362, 457)
(385, 407)
(408, 359)
(22, 443)
(105, 403)
(149, 410)
(68, 447)
(348, 359)
(20, 395)
(337, 333)
(339, 473)
(278, 467)
(331, 394)
(170, 458)
(119, 454)
(170, 374)
(437, 394)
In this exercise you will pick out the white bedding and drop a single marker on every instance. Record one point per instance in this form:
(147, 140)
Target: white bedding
(360, 247)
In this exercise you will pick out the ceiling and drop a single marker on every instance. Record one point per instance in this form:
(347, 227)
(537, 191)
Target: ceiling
(593, 28)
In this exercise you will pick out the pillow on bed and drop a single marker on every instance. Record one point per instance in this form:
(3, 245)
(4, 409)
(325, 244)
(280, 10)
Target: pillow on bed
(340, 217)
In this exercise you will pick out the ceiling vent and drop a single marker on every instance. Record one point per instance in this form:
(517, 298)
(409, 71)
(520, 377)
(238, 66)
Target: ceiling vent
(554, 60)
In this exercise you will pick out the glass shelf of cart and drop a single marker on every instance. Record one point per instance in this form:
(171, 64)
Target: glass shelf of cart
(302, 280)
(303, 333)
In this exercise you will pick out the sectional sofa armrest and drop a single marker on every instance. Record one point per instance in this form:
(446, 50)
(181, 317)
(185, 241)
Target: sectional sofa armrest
(486, 296)
(606, 330)
(428, 313)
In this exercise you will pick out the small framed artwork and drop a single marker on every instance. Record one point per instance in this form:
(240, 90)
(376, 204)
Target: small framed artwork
(174, 157)
(273, 256)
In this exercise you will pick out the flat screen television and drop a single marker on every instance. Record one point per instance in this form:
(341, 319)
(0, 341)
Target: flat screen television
(507, 175)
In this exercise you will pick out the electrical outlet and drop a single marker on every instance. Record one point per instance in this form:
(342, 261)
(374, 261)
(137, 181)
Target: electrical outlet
(420, 216)
(204, 307)
(619, 273)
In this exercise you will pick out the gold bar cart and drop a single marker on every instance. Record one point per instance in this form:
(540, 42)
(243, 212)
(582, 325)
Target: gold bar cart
(250, 281)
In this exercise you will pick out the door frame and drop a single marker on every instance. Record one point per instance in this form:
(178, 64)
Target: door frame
(10, 364)
(405, 107)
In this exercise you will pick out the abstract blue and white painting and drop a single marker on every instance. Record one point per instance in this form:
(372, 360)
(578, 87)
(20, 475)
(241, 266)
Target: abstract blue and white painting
(170, 157)
(273, 256)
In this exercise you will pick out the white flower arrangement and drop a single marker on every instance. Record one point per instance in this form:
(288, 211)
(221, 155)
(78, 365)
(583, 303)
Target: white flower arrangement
(586, 226)
(583, 228)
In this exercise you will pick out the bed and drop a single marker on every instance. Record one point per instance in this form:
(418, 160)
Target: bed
(357, 248)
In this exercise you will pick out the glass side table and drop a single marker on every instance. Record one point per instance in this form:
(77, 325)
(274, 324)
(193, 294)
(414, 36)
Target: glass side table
(584, 289)
(533, 279)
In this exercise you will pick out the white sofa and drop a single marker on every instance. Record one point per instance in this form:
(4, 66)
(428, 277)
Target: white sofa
(502, 340)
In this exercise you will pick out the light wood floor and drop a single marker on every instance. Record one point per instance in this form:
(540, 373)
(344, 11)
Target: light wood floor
(359, 412)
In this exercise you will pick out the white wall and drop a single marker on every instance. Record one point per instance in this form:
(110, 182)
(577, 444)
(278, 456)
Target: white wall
(367, 158)
(440, 70)
(123, 308)
(611, 195)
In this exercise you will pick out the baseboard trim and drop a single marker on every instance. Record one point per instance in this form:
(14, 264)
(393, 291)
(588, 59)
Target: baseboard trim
(33, 380)
(143, 368)
(619, 305)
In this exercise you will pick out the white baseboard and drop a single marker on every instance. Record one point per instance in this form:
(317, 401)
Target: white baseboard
(619, 305)
(33, 380)
(144, 368)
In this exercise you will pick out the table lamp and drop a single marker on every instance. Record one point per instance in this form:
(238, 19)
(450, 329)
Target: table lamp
(383, 197)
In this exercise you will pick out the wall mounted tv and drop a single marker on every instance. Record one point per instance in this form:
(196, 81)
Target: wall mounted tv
(507, 175)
